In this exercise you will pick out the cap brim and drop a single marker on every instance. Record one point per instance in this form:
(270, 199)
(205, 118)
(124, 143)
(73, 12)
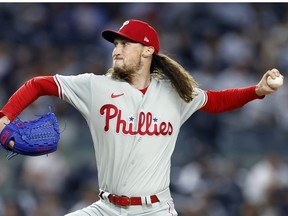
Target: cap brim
(110, 35)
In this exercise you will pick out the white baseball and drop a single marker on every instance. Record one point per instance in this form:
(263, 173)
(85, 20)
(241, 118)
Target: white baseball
(275, 83)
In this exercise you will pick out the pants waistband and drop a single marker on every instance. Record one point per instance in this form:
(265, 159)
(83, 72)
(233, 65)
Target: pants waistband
(126, 201)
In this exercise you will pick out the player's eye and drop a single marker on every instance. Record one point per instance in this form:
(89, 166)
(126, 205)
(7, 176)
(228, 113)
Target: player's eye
(126, 43)
(122, 43)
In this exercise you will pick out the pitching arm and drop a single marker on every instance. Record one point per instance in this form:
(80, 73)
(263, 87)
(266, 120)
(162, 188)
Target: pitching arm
(229, 99)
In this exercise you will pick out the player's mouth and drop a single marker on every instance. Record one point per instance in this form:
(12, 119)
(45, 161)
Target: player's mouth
(117, 58)
(118, 61)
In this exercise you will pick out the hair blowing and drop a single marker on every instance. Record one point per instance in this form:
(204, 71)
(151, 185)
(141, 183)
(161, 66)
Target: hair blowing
(164, 67)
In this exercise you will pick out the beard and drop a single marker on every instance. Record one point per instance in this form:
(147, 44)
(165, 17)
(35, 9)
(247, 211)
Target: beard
(124, 73)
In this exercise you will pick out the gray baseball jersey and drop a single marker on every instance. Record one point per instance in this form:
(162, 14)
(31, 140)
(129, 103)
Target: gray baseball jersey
(134, 135)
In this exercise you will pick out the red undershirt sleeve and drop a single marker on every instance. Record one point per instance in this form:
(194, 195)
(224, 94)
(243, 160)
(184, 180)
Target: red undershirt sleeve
(27, 94)
(229, 99)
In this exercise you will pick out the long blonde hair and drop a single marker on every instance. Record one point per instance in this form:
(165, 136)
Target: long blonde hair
(164, 67)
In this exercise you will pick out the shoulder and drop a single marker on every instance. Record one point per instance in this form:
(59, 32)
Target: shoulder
(200, 95)
(83, 77)
(79, 76)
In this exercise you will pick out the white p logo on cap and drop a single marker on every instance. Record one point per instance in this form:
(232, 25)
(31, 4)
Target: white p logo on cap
(125, 23)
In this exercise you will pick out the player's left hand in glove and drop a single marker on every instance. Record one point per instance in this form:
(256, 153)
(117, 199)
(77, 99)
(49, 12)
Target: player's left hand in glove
(32, 138)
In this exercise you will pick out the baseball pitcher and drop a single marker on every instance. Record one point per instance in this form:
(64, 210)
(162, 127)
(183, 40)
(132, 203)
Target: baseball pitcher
(134, 113)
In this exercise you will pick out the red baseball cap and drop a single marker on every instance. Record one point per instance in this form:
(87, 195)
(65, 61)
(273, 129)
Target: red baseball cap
(137, 31)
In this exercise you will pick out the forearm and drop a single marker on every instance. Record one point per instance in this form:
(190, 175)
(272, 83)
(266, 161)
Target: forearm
(229, 99)
(27, 94)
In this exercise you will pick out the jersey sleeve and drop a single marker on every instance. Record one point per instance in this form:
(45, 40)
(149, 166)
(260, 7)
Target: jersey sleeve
(76, 90)
(229, 99)
(27, 94)
(189, 108)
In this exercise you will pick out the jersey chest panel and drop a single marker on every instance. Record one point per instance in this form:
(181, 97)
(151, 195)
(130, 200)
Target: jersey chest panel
(125, 110)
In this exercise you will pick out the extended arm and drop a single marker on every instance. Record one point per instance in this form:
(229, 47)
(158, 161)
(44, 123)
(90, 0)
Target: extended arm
(230, 99)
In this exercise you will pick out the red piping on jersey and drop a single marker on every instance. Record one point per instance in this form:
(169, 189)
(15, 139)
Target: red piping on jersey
(60, 92)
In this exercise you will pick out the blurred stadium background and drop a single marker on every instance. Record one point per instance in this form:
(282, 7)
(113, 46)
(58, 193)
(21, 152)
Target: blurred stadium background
(231, 164)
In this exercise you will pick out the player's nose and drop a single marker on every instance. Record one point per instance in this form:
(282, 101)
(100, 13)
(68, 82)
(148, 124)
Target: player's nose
(116, 52)
(116, 56)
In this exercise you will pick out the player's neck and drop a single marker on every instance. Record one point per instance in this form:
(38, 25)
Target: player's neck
(141, 79)
(141, 82)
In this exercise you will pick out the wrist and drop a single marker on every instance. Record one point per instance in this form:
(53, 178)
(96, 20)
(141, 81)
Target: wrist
(258, 92)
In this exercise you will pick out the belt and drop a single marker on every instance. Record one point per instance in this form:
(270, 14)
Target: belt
(127, 201)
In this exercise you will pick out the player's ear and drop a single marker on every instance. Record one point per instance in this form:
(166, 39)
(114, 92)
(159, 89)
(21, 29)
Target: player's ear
(148, 51)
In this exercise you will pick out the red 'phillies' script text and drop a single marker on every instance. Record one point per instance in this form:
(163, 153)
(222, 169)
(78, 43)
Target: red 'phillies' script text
(145, 125)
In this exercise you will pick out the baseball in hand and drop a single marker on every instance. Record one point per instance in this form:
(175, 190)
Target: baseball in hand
(275, 83)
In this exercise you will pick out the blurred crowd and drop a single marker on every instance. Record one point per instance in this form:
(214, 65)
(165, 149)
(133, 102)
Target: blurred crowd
(230, 164)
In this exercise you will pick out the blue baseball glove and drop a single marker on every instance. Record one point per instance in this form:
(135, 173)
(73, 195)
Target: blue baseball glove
(32, 138)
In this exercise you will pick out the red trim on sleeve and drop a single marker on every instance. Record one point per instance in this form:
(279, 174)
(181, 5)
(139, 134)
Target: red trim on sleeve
(60, 93)
(229, 99)
(27, 94)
